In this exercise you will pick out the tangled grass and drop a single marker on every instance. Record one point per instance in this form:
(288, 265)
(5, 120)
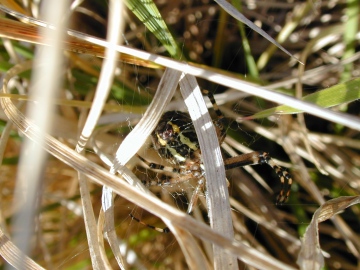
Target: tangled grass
(72, 216)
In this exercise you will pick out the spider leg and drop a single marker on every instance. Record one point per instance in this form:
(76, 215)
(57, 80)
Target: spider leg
(220, 121)
(185, 176)
(165, 230)
(259, 157)
(155, 166)
(214, 104)
(159, 167)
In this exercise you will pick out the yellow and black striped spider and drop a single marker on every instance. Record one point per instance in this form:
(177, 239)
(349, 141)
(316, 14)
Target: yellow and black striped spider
(175, 140)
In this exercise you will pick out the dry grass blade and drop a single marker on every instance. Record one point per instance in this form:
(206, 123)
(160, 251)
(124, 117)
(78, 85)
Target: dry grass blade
(193, 253)
(14, 256)
(23, 220)
(15, 30)
(137, 137)
(217, 194)
(310, 256)
(116, 25)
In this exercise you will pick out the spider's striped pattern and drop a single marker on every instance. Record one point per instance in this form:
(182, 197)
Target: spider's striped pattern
(175, 140)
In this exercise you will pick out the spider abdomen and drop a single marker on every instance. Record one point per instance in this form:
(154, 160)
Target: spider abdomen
(174, 138)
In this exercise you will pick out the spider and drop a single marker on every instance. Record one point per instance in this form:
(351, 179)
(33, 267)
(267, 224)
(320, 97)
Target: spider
(175, 140)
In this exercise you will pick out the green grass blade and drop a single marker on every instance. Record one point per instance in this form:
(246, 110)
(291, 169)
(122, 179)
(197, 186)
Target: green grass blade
(352, 14)
(148, 13)
(250, 61)
(335, 95)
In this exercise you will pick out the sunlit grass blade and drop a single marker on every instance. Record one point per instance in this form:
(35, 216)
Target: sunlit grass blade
(335, 95)
(238, 16)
